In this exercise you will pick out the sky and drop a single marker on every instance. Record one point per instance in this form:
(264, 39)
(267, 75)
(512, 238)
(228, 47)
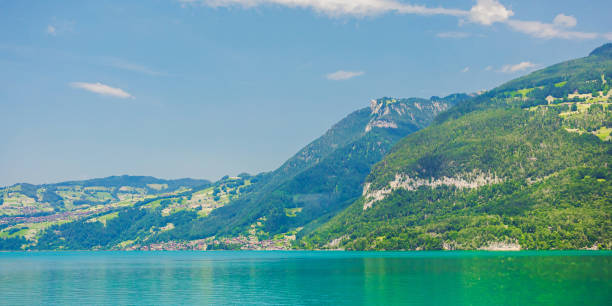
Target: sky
(205, 88)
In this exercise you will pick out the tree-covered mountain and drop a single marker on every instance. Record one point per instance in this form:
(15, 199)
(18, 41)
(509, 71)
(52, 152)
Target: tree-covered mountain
(525, 165)
(320, 180)
(325, 176)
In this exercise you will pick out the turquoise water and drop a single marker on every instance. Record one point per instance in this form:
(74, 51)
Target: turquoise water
(354, 278)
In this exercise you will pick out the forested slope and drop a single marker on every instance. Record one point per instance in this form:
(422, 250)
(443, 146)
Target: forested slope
(329, 182)
(525, 165)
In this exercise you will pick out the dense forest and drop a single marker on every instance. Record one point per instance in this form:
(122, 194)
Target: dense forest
(556, 190)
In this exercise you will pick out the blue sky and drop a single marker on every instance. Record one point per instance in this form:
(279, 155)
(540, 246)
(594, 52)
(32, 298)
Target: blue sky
(207, 88)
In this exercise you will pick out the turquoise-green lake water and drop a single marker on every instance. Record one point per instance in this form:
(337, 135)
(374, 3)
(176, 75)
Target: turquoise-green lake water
(297, 278)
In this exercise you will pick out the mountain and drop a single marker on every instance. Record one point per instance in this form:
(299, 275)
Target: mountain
(321, 179)
(523, 166)
(325, 176)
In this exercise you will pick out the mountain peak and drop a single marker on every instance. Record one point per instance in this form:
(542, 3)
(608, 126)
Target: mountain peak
(604, 50)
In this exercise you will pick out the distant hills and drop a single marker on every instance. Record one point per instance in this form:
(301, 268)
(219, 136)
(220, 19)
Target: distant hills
(525, 165)
(24, 198)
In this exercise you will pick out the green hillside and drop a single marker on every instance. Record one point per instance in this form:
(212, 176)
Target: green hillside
(330, 182)
(27, 199)
(525, 165)
(145, 222)
(265, 211)
(27, 210)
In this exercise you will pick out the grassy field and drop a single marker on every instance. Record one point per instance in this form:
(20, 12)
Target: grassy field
(292, 212)
(603, 133)
(104, 218)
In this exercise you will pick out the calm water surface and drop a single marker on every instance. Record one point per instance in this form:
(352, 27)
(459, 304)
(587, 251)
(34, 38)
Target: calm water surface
(355, 278)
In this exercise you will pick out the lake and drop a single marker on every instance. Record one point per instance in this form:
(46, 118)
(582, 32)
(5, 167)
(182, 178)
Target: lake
(302, 277)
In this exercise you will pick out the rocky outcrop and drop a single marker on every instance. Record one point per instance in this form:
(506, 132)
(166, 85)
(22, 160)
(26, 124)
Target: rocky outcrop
(467, 180)
(387, 112)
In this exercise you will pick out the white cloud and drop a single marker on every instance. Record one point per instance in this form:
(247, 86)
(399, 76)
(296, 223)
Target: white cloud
(489, 68)
(518, 67)
(102, 89)
(484, 12)
(58, 27)
(341, 75)
(548, 30)
(466, 69)
(559, 28)
(565, 21)
(453, 35)
(125, 65)
(336, 8)
(51, 30)
(488, 12)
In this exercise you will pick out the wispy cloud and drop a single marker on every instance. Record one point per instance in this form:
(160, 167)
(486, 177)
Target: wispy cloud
(56, 27)
(337, 8)
(102, 89)
(466, 69)
(51, 30)
(456, 35)
(488, 12)
(341, 75)
(484, 12)
(98, 61)
(488, 68)
(518, 67)
(558, 29)
(129, 66)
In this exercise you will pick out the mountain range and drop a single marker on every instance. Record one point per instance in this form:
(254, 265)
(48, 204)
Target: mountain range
(525, 165)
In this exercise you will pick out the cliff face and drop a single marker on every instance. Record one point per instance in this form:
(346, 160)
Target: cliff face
(392, 113)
